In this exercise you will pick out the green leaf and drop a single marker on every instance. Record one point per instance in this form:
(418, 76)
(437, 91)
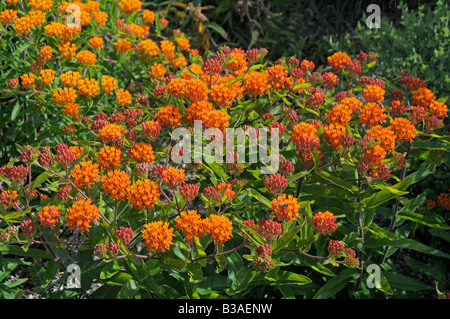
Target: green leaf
(422, 219)
(128, 290)
(383, 196)
(405, 283)
(340, 182)
(336, 284)
(252, 192)
(241, 281)
(426, 269)
(171, 262)
(315, 265)
(290, 278)
(195, 272)
(15, 111)
(285, 238)
(19, 251)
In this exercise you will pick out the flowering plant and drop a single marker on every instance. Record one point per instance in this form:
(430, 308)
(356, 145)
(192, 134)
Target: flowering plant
(124, 194)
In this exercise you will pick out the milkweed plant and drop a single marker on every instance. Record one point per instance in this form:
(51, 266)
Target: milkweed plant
(166, 174)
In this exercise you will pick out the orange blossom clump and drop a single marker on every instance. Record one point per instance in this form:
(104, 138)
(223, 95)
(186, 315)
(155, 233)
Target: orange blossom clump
(70, 78)
(28, 80)
(444, 200)
(191, 224)
(423, 97)
(403, 129)
(110, 132)
(123, 97)
(85, 174)
(71, 110)
(64, 95)
(338, 60)
(49, 215)
(47, 76)
(168, 115)
(256, 83)
(173, 177)
(157, 236)
(383, 134)
(116, 183)
(109, 157)
(148, 16)
(373, 93)
(108, 84)
(123, 45)
(86, 57)
(285, 207)
(81, 215)
(304, 137)
(324, 222)
(142, 153)
(333, 133)
(143, 194)
(88, 87)
(218, 227)
(372, 114)
(151, 129)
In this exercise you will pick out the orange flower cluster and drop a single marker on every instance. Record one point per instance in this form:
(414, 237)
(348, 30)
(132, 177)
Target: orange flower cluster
(28, 80)
(123, 45)
(88, 87)
(218, 227)
(34, 18)
(384, 135)
(443, 200)
(338, 60)
(85, 174)
(158, 70)
(148, 16)
(438, 109)
(285, 207)
(191, 224)
(149, 47)
(141, 153)
(86, 57)
(143, 194)
(192, 89)
(70, 78)
(403, 129)
(130, 6)
(81, 215)
(423, 97)
(173, 177)
(123, 97)
(96, 42)
(277, 76)
(339, 114)
(151, 129)
(8, 16)
(64, 95)
(256, 83)
(116, 183)
(111, 132)
(49, 215)
(374, 156)
(324, 222)
(373, 93)
(372, 114)
(157, 236)
(169, 115)
(109, 157)
(67, 50)
(333, 133)
(108, 84)
(304, 137)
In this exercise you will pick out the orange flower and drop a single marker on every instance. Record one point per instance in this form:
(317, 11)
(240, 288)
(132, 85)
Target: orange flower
(49, 216)
(130, 6)
(304, 137)
(123, 45)
(108, 84)
(286, 208)
(277, 75)
(43, 5)
(217, 119)
(71, 110)
(151, 129)
(8, 197)
(324, 222)
(167, 49)
(100, 17)
(143, 194)
(123, 97)
(64, 95)
(158, 70)
(8, 16)
(191, 224)
(88, 87)
(109, 157)
(373, 93)
(218, 227)
(96, 42)
(372, 114)
(223, 95)
(374, 156)
(28, 80)
(142, 153)
(70, 78)
(173, 177)
(339, 114)
(116, 184)
(383, 134)
(157, 236)
(438, 109)
(67, 50)
(85, 174)
(169, 115)
(198, 111)
(149, 47)
(338, 60)
(444, 201)
(256, 83)
(183, 44)
(238, 64)
(403, 129)
(81, 215)
(110, 132)
(333, 133)
(86, 57)
(148, 16)
(423, 97)
(352, 103)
